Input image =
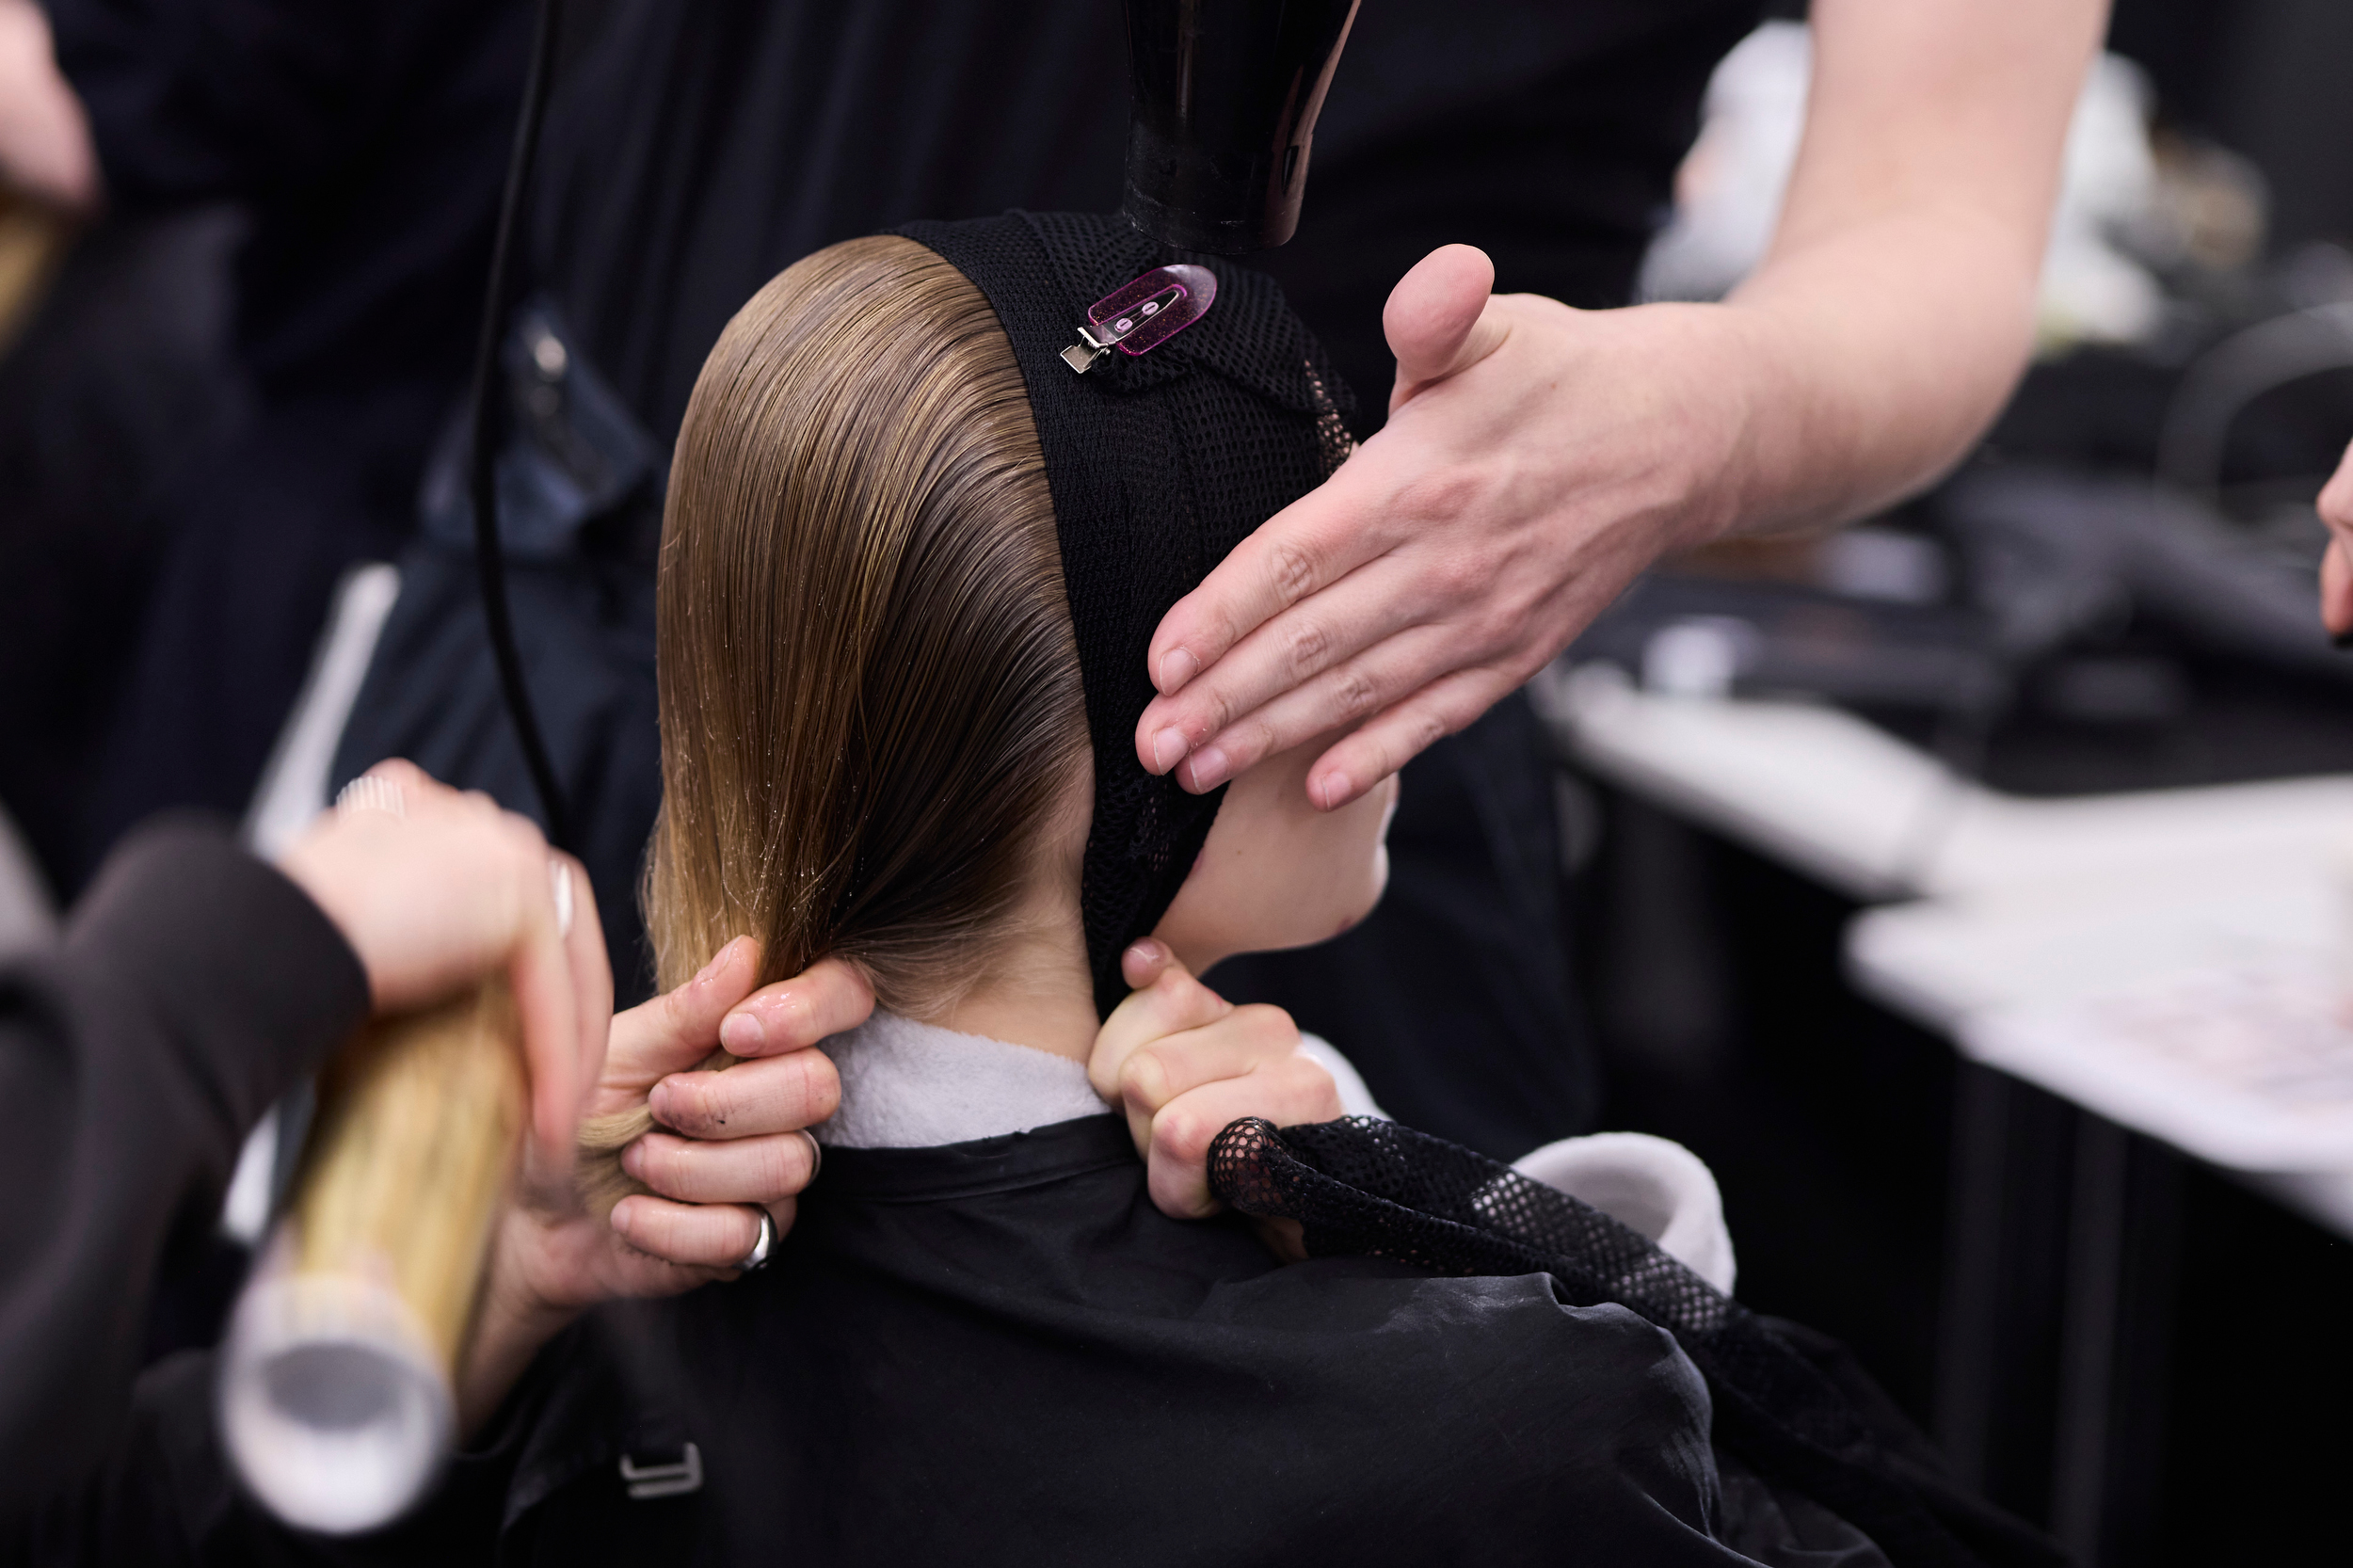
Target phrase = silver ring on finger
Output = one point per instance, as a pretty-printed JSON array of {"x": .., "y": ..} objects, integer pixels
[
  {"x": 763, "y": 1247},
  {"x": 371, "y": 793}
]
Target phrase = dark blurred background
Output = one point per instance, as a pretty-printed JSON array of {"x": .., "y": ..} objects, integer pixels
[{"x": 1719, "y": 974}]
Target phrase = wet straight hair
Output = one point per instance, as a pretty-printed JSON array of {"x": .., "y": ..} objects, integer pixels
[
  {"x": 869, "y": 691},
  {"x": 870, "y": 701}
]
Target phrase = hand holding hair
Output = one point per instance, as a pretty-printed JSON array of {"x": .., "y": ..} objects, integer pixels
[
  {"x": 707, "y": 1097},
  {"x": 678, "y": 1158},
  {"x": 1182, "y": 1063}
]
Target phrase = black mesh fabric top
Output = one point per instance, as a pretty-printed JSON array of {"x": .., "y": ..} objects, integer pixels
[
  {"x": 1159, "y": 466},
  {"x": 1366, "y": 1188}
]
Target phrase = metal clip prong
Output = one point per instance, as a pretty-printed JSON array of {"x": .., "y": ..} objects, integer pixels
[{"x": 1086, "y": 352}]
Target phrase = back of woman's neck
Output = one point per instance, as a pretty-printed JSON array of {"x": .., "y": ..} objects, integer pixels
[
  {"x": 1036, "y": 993},
  {"x": 1048, "y": 1022}
]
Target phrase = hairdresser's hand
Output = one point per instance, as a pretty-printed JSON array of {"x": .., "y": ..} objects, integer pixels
[
  {"x": 736, "y": 1145},
  {"x": 727, "y": 1144},
  {"x": 445, "y": 889},
  {"x": 1536, "y": 459},
  {"x": 1183, "y": 1062},
  {"x": 2336, "y": 567},
  {"x": 45, "y": 148}
]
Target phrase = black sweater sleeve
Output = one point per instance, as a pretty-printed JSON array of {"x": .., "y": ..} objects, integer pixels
[{"x": 194, "y": 985}]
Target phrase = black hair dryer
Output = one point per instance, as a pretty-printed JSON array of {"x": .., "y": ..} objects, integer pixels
[{"x": 1226, "y": 97}]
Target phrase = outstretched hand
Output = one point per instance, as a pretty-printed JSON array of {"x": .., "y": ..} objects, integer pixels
[
  {"x": 1183, "y": 1063},
  {"x": 1536, "y": 459}
]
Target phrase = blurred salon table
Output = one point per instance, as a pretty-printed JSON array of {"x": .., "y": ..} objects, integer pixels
[{"x": 2162, "y": 960}]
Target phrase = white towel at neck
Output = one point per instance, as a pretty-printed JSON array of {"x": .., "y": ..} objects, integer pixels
[
  {"x": 909, "y": 1085},
  {"x": 906, "y": 1085}
]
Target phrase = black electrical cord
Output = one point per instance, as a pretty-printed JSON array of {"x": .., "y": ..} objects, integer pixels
[{"x": 490, "y": 557}]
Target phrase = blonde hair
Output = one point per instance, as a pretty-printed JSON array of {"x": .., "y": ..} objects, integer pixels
[{"x": 869, "y": 693}]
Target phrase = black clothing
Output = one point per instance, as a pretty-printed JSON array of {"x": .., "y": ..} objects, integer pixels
[
  {"x": 1160, "y": 465},
  {"x": 354, "y": 135},
  {"x": 193, "y": 986},
  {"x": 364, "y": 142},
  {"x": 1786, "y": 1401},
  {"x": 999, "y": 1352},
  {"x": 692, "y": 152}
]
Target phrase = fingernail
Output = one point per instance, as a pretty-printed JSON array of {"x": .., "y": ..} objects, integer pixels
[
  {"x": 1332, "y": 791},
  {"x": 1176, "y": 667},
  {"x": 633, "y": 1157},
  {"x": 743, "y": 1034},
  {"x": 1168, "y": 748},
  {"x": 1209, "y": 768},
  {"x": 658, "y": 1102},
  {"x": 623, "y": 1214}
]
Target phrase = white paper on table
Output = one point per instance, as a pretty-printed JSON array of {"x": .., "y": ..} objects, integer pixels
[{"x": 2248, "y": 1064}]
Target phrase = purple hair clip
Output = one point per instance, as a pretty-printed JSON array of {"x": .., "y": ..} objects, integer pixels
[{"x": 1138, "y": 317}]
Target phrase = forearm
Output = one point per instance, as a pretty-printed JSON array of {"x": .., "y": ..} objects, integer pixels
[
  {"x": 519, "y": 1311},
  {"x": 505, "y": 1339},
  {"x": 1874, "y": 361},
  {"x": 1894, "y": 310},
  {"x": 196, "y": 983}
]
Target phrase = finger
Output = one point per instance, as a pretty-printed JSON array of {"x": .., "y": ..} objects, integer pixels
[
  {"x": 1174, "y": 1003},
  {"x": 828, "y": 997},
  {"x": 1358, "y": 761},
  {"x": 425, "y": 799},
  {"x": 1338, "y": 699},
  {"x": 1317, "y": 539},
  {"x": 751, "y": 1099},
  {"x": 412, "y": 779},
  {"x": 592, "y": 988},
  {"x": 1286, "y": 1238},
  {"x": 1436, "y": 318},
  {"x": 1143, "y": 962},
  {"x": 1286, "y": 1094},
  {"x": 743, "y": 1170},
  {"x": 707, "y": 1236},
  {"x": 1364, "y": 610},
  {"x": 2336, "y": 590},
  {"x": 2336, "y": 497},
  {"x": 539, "y": 976},
  {"x": 1243, "y": 1041},
  {"x": 680, "y": 1027}
]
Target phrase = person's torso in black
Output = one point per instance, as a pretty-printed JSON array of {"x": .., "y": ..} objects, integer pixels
[
  {"x": 1001, "y": 1352},
  {"x": 695, "y": 150}
]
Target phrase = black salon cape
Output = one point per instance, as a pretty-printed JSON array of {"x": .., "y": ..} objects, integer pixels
[{"x": 1001, "y": 1352}]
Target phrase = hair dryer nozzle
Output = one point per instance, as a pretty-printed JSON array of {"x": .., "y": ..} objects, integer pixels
[{"x": 1226, "y": 97}]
